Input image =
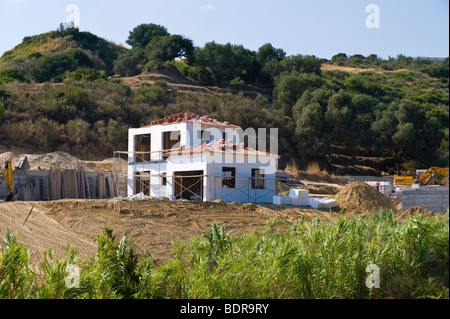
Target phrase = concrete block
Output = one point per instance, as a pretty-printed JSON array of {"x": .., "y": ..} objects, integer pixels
[
  {"x": 322, "y": 203},
  {"x": 282, "y": 200},
  {"x": 298, "y": 193},
  {"x": 326, "y": 203},
  {"x": 300, "y": 202}
]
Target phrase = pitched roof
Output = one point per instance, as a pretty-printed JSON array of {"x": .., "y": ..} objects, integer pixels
[
  {"x": 191, "y": 118},
  {"x": 220, "y": 146}
]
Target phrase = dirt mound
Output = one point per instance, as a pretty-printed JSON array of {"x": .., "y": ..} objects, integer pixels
[
  {"x": 359, "y": 197},
  {"x": 416, "y": 211},
  {"x": 42, "y": 161},
  {"x": 63, "y": 160},
  {"x": 7, "y": 156}
]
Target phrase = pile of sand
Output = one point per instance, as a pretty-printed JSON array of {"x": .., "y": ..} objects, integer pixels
[
  {"x": 417, "y": 210},
  {"x": 359, "y": 197},
  {"x": 63, "y": 160},
  {"x": 42, "y": 161},
  {"x": 7, "y": 156}
]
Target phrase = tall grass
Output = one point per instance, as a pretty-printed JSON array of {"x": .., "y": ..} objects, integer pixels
[
  {"x": 313, "y": 172},
  {"x": 309, "y": 260}
]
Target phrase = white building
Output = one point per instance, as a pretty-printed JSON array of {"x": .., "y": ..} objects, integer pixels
[{"x": 186, "y": 156}]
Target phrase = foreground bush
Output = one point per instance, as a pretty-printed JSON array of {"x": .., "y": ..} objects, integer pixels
[{"x": 309, "y": 260}]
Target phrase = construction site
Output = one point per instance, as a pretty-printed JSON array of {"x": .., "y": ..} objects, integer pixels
[{"x": 54, "y": 199}]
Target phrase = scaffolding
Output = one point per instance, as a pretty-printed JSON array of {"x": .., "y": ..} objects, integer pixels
[
  {"x": 140, "y": 176},
  {"x": 154, "y": 182}
]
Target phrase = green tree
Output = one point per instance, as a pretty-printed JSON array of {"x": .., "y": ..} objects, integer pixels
[
  {"x": 141, "y": 35},
  {"x": 300, "y": 63},
  {"x": 226, "y": 61},
  {"x": 267, "y": 53},
  {"x": 169, "y": 47},
  {"x": 50, "y": 67},
  {"x": 269, "y": 59},
  {"x": 339, "y": 117},
  {"x": 403, "y": 130},
  {"x": 311, "y": 132},
  {"x": 290, "y": 86},
  {"x": 131, "y": 62}
]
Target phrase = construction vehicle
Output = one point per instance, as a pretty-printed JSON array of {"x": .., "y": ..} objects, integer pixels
[
  {"x": 423, "y": 179},
  {"x": 403, "y": 181},
  {"x": 426, "y": 176},
  {"x": 7, "y": 173}
]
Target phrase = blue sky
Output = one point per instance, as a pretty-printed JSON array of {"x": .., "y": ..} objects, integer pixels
[{"x": 322, "y": 27}]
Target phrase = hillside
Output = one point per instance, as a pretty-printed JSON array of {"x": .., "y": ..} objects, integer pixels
[
  {"x": 359, "y": 115},
  {"x": 48, "y": 47}
]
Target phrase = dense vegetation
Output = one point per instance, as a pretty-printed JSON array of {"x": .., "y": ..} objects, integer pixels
[
  {"x": 312, "y": 259},
  {"x": 402, "y": 115}
]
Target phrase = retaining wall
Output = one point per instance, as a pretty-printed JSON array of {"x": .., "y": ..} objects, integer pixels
[{"x": 434, "y": 198}]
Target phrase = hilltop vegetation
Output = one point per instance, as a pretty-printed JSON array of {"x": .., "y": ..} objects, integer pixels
[
  {"x": 48, "y": 56},
  {"x": 54, "y": 94}
]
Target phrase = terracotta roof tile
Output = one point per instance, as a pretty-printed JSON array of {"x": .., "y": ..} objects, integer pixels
[
  {"x": 220, "y": 146},
  {"x": 191, "y": 118}
]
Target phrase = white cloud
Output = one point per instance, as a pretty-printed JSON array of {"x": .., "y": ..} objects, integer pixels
[{"x": 207, "y": 7}]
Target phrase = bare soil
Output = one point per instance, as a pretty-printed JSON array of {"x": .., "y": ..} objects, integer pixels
[
  {"x": 40, "y": 231},
  {"x": 152, "y": 224}
]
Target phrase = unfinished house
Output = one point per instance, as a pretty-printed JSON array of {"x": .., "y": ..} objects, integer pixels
[{"x": 191, "y": 157}]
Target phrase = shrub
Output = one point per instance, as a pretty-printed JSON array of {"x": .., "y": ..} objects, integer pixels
[
  {"x": 87, "y": 74},
  {"x": 10, "y": 75},
  {"x": 55, "y": 66}
]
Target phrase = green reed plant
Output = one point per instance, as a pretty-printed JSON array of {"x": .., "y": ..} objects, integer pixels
[
  {"x": 16, "y": 277},
  {"x": 311, "y": 259}
]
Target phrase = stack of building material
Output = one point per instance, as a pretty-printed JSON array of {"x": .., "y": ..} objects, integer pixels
[
  {"x": 322, "y": 203},
  {"x": 101, "y": 186},
  {"x": 30, "y": 192},
  {"x": 282, "y": 200},
  {"x": 383, "y": 187},
  {"x": 74, "y": 183},
  {"x": 301, "y": 197}
]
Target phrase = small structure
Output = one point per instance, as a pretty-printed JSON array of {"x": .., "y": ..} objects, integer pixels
[{"x": 191, "y": 157}]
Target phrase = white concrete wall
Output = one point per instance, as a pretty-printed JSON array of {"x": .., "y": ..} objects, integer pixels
[
  {"x": 189, "y": 135},
  {"x": 243, "y": 192},
  {"x": 435, "y": 199},
  {"x": 156, "y": 138}
]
